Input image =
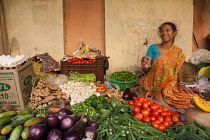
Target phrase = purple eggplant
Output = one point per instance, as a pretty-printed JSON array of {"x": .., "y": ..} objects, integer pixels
[
  {"x": 55, "y": 134},
  {"x": 133, "y": 95},
  {"x": 38, "y": 132},
  {"x": 76, "y": 130},
  {"x": 67, "y": 122},
  {"x": 90, "y": 132},
  {"x": 52, "y": 121},
  {"x": 93, "y": 124},
  {"x": 65, "y": 111},
  {"x": 85, "y": 118},
  {"x": 127, "y": 94},
  {"x": 73, "y": 135}
]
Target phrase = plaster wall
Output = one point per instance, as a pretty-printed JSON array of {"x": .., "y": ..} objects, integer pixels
[
  {"x": 131, "y": 26},
  {"x": 35, "y": 27}
]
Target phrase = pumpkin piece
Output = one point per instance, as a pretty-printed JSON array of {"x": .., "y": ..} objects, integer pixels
[
  {"x": 200, "y": 103},
  {"x": 194, "y": 114}
]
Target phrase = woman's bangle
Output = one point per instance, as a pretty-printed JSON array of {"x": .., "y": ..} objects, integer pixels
[{"x": 181, "y": 83}]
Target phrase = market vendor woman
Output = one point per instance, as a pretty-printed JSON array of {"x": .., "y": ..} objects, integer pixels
[{"x": 162, "y": 65}]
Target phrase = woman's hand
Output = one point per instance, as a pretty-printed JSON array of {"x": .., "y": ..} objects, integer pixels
[
  {"x": 183, "y": 88},
  {"x": 145, "y": 63}
]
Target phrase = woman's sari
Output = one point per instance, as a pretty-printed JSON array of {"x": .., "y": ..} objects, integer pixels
[{"x": 162, "y": 78}]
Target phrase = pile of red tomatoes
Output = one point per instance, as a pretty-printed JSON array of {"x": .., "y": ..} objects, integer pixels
[
  {"x": 78, "y": 60},
  {"x": 158, "y": 116}
]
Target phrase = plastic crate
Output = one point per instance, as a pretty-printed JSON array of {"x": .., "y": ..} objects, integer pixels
[{"x": 98, "y": 68}]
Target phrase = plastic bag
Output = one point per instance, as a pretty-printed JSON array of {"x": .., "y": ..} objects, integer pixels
[
  {"x": 61, "y": 79},
  {"x": 200, "y": 56},
  {"x": 109, "y": 85},
  {"x": 86, "y": 51},
  {"x": 203, "y": 83}
]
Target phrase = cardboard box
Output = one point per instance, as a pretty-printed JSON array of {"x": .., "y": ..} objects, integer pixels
[{"x": 16, "y": 85}]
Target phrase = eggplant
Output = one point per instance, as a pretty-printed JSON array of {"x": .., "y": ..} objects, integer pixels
[
  {"x": 55, "y": 134},
  {"x": 127, "y": 94},
  {"x": 93, "y": 124},
  {"x": 52, "y": 121},
  {"x": 133, "y": 95},
  {"x": 38, "y": 132},
  {"x": 90, "y": 132},
  {"x": 67, "y": 122},
  {"x": 76, "y": 131},
  {"x": 65, "y": 111},
  {"x": 85, "y": 118},
  {"x": 73, "y": 135}
]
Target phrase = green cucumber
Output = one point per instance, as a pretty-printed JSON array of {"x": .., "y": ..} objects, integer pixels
[
  {"x": 6, "y": 130},
  {"x": 17, "y": 116},
  {"x": 21, "y": 120},
  {"x": 15, "y": 135},
  {"x": 24, "y": 112},
  {"x": 1, "y": 126},
  {"x": 2, "y": 137},
  {"x": 6, "y": 120},
  {"x": 25, "y": 133},
  {"x": 6, "y": 114},
  {"x": 33, "y": 121}
]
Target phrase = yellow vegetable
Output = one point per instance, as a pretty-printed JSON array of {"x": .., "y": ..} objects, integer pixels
[{"x": 201, "y": 103}]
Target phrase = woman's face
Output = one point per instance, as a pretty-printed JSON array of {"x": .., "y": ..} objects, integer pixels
[{"x": 166, "y": 33}]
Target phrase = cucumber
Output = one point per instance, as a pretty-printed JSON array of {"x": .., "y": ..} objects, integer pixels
[
  {"x": 15, "y": 135},
  {"x": 17, "y": 116},
  {"x": 3, "y": 137},
  {"x": 21, "y": 120},
  {"x": 6, "y": 130},
  {"x": 25, "y": 133},
  {"x": 1, "y": 111},
  {"x": 6, "y": 114},
  {"x": 33, "y": 121},
  {"x": 24, "y": 112},
  {"x": 1, "y": 126},
  {"x": 6, "y": 120}
]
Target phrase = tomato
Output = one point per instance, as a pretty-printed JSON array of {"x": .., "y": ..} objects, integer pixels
[
  {"x": 166, "y": 123},
  {"x": 137, "y": 103},
  {"x": 141, "y": 99},
  {"x": 152, "y": 118},
  {"x": 131, "y": 102},
  {"x": 168, "y": 113},
  {"x": 171, "y": 123},
  {"x": 165, "y": 109},
  {"x": 145, "y": 112},
  {"x": 157, "y": 121},
  {"x": 160, "y": 118},
  {"x": 145, "y": 105},
  {"x": 167, "y": 118},
  {"x": 136, "y": 99},
  {"x": 136, "y": 109},
  {"x": 154, "y": 113},
  {"x": 163, "y": 113},
  {"x": 162, "y": 127},
  {"x": 159, "y": 110},
  {"x": 149, "y": 102},
  {"x": 154, "y": 124},
  {"x": 175, "y": 114},
  {"x": 127, "y": 102},
  {"x": 176, "y": 119},
  {"x": 138, "y": 116},
  {"x": 148, "y": 109},
  {"x": 146, "y": 119},
  {"x": 154, "y": 106},
  {"x": 179, "y": 123},
  {"x": 132, "y": 106}
]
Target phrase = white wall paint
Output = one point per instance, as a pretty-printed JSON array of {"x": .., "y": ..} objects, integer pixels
[
  {"x": 129, "y": 23},
  {"x": 35, "y": 27}
]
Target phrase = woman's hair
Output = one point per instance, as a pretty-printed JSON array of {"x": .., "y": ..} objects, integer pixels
[{"x": 173, "y": 26}]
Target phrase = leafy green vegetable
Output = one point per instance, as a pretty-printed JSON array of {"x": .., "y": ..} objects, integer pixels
[{"x": 74, "y": 76}]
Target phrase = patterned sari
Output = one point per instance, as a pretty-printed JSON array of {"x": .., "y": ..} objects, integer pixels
[{"x": 162, "y": 78}]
